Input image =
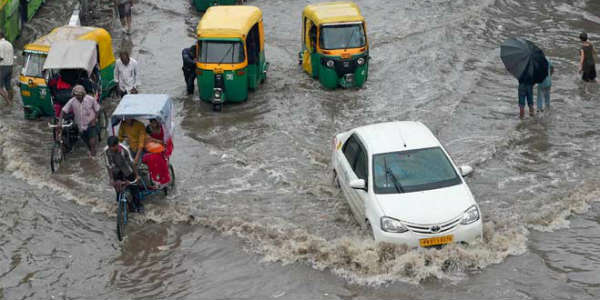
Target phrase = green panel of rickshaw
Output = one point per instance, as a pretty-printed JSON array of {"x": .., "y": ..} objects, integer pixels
[
  {"x": 328, "y": 77},
  {"x": 315, "y": 61},
  {"x": 108, "y": 79},
  {"x": 36, "y": 101},
  {"x": 206, "y": 84},
  {"x": 252, "y": 73},
  {"x": 236, "y": 86}
]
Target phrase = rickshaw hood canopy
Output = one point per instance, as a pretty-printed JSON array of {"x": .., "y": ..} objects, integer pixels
[
  {"x": 232, "y": 21},
  {"x": 333, "y": 12},
  {"x": 72, "y": 55},
  {"x": 146, "y": 107}
]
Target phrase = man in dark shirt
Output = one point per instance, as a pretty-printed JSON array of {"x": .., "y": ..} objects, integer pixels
[
  {"x": 120, "y": 168},
  {"x": 189, "y": 67}
]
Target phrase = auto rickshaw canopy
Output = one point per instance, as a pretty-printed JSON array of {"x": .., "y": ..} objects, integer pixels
[
  {"x": 228, "y": 21},
  {"x": 333, "y": 12},
  {"x": 67, "y": 33},
  {"x": 146, "y": 107},
  {"x": 72, "y": 55}
]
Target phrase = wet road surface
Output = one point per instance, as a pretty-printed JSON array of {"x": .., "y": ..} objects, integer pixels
[{"x": 255, "y": 213}]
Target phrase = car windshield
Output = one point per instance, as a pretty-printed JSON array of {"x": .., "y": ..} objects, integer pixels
[
  {"x": 225, "y": 52},
  {"x": 342, "y": 36},
  {"x": 34, "y": 64},
  {"x": 412, "y": 171}
]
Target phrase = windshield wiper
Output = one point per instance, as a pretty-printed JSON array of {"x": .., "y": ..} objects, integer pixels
[
  {"x": 226, "y": 53},
  {"x": 350, "y": 38},
  {"x": 389, "y": 172}
]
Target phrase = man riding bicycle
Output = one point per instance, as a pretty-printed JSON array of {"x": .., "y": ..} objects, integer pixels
[
  {"x": 121, "y": 169},
  {"x": 85, "y": 110}
]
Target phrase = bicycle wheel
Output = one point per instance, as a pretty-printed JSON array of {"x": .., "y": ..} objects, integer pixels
[
  {"x": 121, "y": 217},
  {"x": 56, "y": 157},
  {"x": 102, "y": 123}
]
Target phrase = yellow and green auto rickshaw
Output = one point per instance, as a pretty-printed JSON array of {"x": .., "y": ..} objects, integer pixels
[
  {"x": 231, "y": 54},
  {"x": 334, "y": 44},
  {"x": 203, "y": 5},
  {"x": 32, "y": 81}
]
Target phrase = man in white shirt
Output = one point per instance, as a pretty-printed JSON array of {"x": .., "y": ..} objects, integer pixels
[
  {"x": 126, "y": 74},
  {"x": 7, "y": 55}
]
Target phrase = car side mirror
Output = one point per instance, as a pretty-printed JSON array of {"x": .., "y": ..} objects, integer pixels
[
  {"x": 359, "y": 184},
  {"x": 465, "y": 171}
]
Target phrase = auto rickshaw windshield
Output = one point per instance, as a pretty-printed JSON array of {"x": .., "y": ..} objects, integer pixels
[
  {"x": 342, "y": 36},
  {"x": 221, "y": 52},
  {"x": 34, "y": 64}
]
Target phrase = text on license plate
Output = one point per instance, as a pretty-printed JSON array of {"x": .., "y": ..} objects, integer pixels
[{"x": 438, "y": 240}]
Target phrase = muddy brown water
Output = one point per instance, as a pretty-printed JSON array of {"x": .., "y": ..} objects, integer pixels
[{"x": 255, "y": 214}]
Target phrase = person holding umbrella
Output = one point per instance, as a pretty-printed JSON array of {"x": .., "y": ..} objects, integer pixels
[{"x": 528, "y": 64}]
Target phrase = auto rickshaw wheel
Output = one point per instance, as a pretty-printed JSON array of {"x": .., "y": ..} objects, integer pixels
[{"x": 218, "y": 107}]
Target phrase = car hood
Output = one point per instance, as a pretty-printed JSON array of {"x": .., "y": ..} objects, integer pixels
[{"x": 427, "y": 207}]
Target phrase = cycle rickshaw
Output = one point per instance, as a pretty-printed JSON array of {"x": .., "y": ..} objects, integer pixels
[
  {"x": 144, "y": 108},
  {"x": 70, "y": 63}
]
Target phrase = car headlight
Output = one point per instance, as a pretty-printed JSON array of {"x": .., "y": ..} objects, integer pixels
[
  {"x": 471, "y": 215},
  {"x": 329, "y": 63},
  {"x": 360, "y": 61},
  {"x": 392, "y": 225}
]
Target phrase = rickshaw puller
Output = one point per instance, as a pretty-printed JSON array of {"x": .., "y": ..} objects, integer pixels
[
  {"x": 85, "y": 110},
  {"x": 120, "y": 168}
]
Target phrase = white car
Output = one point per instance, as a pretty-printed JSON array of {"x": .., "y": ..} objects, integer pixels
[{"x": 400, "y": 182}]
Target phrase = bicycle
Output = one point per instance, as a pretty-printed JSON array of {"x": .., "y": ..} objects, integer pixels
[
  {"x": 65, "y": 136},
  {"x": 124, "y": 195}
]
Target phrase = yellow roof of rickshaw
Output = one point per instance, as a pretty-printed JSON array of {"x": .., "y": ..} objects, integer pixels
[
  {"x": 68, "y": 32},
  {"x": 333, "y": 12},
  {"x": 232, "y": 21}
]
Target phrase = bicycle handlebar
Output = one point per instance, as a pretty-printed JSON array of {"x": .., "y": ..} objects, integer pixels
[{"x": 69, "y": 124}]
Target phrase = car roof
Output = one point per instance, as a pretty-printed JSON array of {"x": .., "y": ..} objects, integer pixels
[
  {"x": 396, "y": 136},
  {"x": 333, "y": 12},
  {"x": 232, "y": 21}
]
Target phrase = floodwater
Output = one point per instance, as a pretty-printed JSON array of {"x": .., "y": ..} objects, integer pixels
[{"x": 255, "y": 213}]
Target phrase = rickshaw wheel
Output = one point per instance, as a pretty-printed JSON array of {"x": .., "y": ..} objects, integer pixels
[
  {"x": 171, "y": 185},
  {"x": 122, "y": 213},
  {"x": 54, "y": 130},
  {"x": 56, "y": 157},
  {"x": 120, "y": 221}
]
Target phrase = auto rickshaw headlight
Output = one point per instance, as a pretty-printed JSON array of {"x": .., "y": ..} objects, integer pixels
[
  {"x": 360, "y": 61},
  {"x": 329, "y": 63}
]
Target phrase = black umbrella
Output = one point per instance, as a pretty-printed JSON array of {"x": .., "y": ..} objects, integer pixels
[{"x": 524, "y": 60}]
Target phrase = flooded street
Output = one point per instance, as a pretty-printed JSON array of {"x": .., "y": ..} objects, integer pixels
[{"x": 255, "y": 213}]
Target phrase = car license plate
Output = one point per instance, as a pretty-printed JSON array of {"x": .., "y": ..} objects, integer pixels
[{"x": 438, "y": 240}]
